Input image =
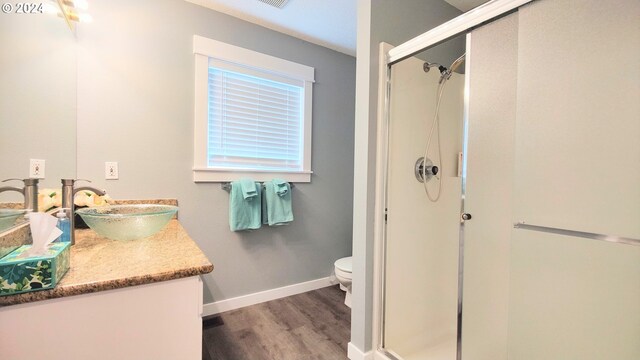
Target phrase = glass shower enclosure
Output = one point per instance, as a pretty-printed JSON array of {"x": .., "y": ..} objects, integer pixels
[{"x": 524, "y": 241}]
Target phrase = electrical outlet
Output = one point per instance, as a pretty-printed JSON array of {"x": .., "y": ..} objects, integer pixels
[
  {"x": 111, "y": 170},
  {"x": 36, "y": 168}
]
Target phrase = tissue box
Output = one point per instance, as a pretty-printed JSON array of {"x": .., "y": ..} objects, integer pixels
[{"x": 18, "y": 275}]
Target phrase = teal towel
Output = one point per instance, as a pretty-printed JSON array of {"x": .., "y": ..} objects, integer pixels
[
  {"x": 244, "y": 213},
  {"x": 276, "y": 208},
  {"x": 248, "y": 188},
  {"x": 281, "y": 186}
]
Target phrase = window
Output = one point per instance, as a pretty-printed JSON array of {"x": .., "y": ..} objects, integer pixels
[{"x": 252, "y": 115}]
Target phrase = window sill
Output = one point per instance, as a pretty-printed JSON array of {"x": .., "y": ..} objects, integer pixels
[{"x": 218, "y": 175}]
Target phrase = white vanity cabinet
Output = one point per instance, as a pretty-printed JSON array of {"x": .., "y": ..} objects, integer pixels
[{"x": 156, "y": 321}]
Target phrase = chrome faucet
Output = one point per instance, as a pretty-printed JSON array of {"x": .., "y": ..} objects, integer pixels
[
  {"x": 29, "y": 191},
  {"x": 68, "y": 193}
]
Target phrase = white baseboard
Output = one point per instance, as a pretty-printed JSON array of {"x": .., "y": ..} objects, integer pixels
[
  {"x": 353, "y": 353},
  {"x": 264, "y": 296}
]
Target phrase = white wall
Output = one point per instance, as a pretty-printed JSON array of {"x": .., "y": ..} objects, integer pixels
[{"x": 135, "y": 106}]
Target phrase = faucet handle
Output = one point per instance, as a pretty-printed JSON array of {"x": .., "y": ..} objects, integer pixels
[{"x": 5, "y": 180}]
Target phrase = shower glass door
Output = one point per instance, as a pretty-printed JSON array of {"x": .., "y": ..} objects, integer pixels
[{"x": 422, "y": 235}]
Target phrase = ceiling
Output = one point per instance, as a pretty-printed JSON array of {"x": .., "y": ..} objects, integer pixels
[
  {"x": 466, "y": 5},
  {"x": 331, "y": 24}
]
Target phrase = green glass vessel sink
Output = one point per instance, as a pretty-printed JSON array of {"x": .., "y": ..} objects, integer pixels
[
  {"x": 8, "y": 217},
  {"x": 127, "y": 222}
]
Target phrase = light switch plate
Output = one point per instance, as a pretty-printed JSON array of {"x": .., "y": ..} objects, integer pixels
[
  {"x": 36, "y": 168},
  {"x": 111, "y": 170}
]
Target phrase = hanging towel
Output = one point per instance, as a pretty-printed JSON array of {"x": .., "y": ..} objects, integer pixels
[
  {"x": 248, "y": 187},
  {"x": 244, "y": 205},
  {"x": 276, "y": 203},
  {"x": 281, "y": 186}
]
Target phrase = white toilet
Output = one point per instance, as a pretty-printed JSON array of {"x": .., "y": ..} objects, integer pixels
[{"x": 343, "y": 274}]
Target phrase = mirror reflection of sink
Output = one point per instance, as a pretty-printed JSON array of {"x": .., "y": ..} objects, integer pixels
[
  {"x": 127, "y": 222},
  {"x": 8, "y": 217}
]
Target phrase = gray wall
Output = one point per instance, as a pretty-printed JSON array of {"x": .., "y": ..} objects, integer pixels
[
  {"x": 135, "y": 106},
  {"x": 37, "y": 98},
  {"x": 393, "y": 22}
]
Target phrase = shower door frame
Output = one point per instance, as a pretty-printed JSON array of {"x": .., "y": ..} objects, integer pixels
[{"x": 389, "y": 56}]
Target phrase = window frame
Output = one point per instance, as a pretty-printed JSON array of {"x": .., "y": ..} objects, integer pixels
[{"x": 203, "y": 50}]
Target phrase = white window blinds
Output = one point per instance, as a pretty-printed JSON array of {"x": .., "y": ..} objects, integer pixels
[{"x": 255, "y": 119}]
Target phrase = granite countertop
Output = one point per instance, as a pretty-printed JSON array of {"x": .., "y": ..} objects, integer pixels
[{"x": 99, "y": 264}]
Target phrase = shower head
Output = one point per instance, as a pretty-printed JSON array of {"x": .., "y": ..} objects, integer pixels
[
  {"x": 427, "y": 66},
  {"x": 456, "y": 64}
]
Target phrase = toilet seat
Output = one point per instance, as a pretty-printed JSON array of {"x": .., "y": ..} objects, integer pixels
[{"x": 345, "y": 264}]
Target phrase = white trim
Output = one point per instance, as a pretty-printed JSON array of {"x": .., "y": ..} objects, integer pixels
[
  {"x": 237, "y": 55},
  {"x": 252, "y": 71},
  {"x": 200, "y": 110},
  {"x": 224, "y": 175},
  {"x": 353, "y": 353},
  {"x": 252, "y": 170},
  {"x": 306, "y": 131},
  {"x": 264, "y": 296},
  {"x": 204, "y": 49},
  {"x": 451, "y": 28}
]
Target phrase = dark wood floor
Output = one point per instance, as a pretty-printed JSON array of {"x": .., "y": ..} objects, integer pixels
[{"x": 313, "y": 325}]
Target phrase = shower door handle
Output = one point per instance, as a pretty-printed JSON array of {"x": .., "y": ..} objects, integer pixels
[{"x": 465, "y": 216}]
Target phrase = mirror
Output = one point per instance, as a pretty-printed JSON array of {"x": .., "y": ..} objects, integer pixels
[{"x": 37, "y": 101}]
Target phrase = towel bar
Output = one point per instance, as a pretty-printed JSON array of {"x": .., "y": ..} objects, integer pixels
[
  {"x": 226, "y": 186},
  {"x": 582, "y": 234}
]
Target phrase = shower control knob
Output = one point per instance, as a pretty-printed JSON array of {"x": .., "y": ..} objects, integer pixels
[
  {"x": 434, "y": 170},
  {"x": 466, "y": 216}
]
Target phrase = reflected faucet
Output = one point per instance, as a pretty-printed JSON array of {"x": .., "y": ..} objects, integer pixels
[
  {"x": 68, "y": 193},
  {"x": 29, "y": 191}
]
